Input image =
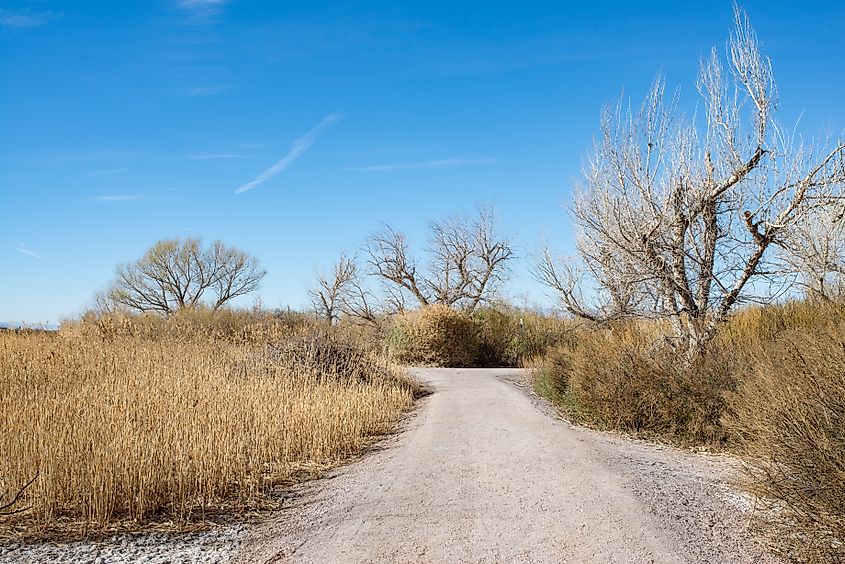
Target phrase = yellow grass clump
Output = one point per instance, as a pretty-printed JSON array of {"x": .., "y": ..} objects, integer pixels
[{"x": 120, "y": 429}]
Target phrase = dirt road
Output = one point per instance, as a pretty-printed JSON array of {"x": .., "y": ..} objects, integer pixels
[{"x": 484, "y": 472}]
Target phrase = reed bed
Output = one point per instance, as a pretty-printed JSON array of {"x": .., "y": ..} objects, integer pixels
[{"x": 120, "y": 429}]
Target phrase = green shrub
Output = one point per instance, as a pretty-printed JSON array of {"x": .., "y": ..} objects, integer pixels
[
  {"x": 496, "y": 330},
  {"x": 550, "y": 377}
]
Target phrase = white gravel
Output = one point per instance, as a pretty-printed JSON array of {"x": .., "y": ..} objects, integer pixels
[{"x": 207, "y": 547}]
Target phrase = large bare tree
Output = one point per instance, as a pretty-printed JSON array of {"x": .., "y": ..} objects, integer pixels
[
  {"x": 678, "y": 217},
  {"x": 467, "y": 261},
  {"x": 175, "y": 274}
]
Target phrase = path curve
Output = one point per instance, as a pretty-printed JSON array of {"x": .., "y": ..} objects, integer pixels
[{"x": 483, "y": 472}]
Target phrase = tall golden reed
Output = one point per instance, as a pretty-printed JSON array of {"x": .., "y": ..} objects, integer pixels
[{"x": 125, "y": 428}]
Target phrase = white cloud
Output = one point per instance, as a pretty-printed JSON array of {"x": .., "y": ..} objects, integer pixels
[
  {"x": 116, "y": 198},
  {"x": 217, "y": 156},
  {"x": 208, "y": 90},
  {"x": 439, "y": 163},
  {"x": 23, "y": 248},
  {"x": 202, "y": 7},
  {"x": 106, "y": 172},
  {"x": 299, "y": 147},
  {"x": 24, "y": 19}
]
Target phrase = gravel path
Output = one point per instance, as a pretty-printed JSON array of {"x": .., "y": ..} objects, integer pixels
[{"x": 483, "y": 472}]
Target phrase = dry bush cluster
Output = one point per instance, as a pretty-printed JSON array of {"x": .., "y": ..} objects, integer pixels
[
  {"x": 772, "y": 388},
  {"x": 626, "y": 378},
  {"x": 437, "y": 335},
  {"x": 513, "y": 337},
  {"x": 121, "y": 426},
  {"x": 788, "y": 418}
]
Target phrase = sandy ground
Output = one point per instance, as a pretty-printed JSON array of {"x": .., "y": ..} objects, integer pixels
[{"x": 482, "y": 472}]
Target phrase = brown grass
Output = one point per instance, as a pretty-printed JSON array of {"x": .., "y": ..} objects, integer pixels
[{"x": 121, "y": 428}]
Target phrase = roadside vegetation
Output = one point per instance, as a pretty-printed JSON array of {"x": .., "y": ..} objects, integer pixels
[
  {"x": 119, "y": 421},
  {"x": 691, "y": 232},
  {"x": 771, "y": 389}
]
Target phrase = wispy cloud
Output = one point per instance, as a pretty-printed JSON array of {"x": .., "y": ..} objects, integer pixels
[
  {"x": 202, "y": 8},
  {"x": 208, "y": 90},
  {"x": 299, "y": 147},
  {"x": 23, "y": 248},
  {"x": 106, "y": 172},
  {"x": 217, "y": 156},
  {"x": 87, "y": 156},
  {"x": 116, "y": 198},
  {"x": 9, "y": 19},
  {"x": 439, "y": 163}
]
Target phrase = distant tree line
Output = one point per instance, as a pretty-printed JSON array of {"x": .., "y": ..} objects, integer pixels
[{"x": 464, "y": 266}]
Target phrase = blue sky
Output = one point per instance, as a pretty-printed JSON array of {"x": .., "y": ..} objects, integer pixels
[{"x": 126, "y": 122}]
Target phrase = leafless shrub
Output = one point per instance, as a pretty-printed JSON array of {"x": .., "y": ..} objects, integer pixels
[
  {"x": 624, "y": 377},
  {"x": 789, "y": 419}
]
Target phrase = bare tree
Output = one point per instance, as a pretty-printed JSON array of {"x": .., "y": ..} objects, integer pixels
[
  {"x": 175, "y": 274},
  {"x": 677, "y": 217},
  {"x": 362, "y": 304},
  {"x": 620, "y": 293},
  {"x": 814, "y": 249},
  {"x": 330, "y": 292},
  {"x": 468, "y": 259}
]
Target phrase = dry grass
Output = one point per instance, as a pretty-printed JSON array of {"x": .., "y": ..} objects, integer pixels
[{"x": 121, "y": 428}]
